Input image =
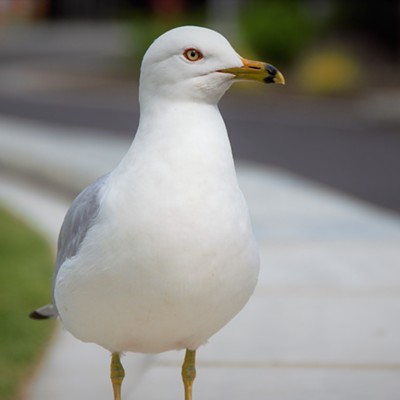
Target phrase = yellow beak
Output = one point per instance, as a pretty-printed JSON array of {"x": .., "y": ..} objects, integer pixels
[{"x": 256, "y": 71}]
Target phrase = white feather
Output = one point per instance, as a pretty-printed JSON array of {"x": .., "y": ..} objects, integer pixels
[{"x": 171, "y": 257}]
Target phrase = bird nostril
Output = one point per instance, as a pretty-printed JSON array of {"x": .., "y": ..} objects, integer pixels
[{"x": 254, "y": 67}]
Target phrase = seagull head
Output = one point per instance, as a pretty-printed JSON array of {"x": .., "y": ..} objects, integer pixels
[{"x": 192, "y": 63}]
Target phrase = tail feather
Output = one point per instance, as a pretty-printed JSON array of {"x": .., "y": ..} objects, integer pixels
[{"x": 45, "y": 312}]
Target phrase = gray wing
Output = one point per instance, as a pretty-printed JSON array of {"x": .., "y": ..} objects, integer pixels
[{"x": 78, "y": 220}]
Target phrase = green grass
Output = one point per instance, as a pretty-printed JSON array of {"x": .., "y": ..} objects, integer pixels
[{"x": 25, "y": 283}]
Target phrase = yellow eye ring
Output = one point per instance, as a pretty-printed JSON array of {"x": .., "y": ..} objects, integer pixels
[{"x": 192, "y": 55}]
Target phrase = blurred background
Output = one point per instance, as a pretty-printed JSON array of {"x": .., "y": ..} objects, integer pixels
[
  {"x": 329, "y": 240},
  {"x": 337, "y": 121}
]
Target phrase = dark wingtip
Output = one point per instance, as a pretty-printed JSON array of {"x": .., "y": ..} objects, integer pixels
[
  {"x": 38, "y": 316},
  {"x": 45, "y": 312}
]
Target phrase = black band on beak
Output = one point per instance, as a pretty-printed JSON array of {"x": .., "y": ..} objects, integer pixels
[{"x": 272, "y": 71}]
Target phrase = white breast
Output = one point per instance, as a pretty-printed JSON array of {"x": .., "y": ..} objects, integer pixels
[{"x": 172, "y": 251}]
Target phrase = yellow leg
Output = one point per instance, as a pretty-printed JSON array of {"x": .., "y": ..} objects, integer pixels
[
  {"x": 189, "y": 372},
  {"x": 117, "y": 375}
]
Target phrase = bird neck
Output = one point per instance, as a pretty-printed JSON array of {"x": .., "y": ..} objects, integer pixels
[{"x": 182, "y": 135}]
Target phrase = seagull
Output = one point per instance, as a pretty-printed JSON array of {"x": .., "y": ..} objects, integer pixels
[{"x": 159, "y": 254}]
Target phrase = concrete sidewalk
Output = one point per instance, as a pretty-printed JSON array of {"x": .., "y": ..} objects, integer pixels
[{"x": 323, "y": 323}]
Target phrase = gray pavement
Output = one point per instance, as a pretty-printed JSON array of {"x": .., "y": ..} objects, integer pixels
[{"x": 322, "y": 324}]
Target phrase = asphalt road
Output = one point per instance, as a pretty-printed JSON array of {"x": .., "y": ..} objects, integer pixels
[{"x": 331, "y": 141}]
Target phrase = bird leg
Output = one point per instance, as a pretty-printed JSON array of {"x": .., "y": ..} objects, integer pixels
[
  {"x": 189, "y": 372},
  {"x": 117, "y": 375}
]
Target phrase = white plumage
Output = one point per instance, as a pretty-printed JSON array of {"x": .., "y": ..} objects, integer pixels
[
  {"x": 159, "y": 254},
  {"x": 170, "y": 257}
]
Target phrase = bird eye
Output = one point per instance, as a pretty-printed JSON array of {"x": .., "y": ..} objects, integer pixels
[{"x": 192, "y": 54}]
